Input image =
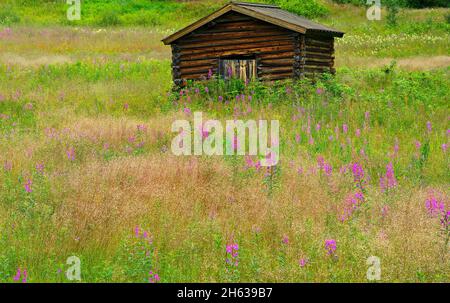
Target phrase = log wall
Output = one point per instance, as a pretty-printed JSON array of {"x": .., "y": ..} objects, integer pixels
[{"x": 280, "y": 53}]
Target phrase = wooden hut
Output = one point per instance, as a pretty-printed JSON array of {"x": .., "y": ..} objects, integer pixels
[{"x": 250, "y": 40}]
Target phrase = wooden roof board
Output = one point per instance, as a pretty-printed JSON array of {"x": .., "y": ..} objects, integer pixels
[{"x": 268, "y": 13}]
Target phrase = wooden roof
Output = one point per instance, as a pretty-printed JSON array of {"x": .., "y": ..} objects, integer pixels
[{"x": 269, "y": 13}]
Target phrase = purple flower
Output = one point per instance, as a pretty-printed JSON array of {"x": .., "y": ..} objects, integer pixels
[
  {"x": 187, "y": 111},
  {"x": 429, "y": 127},
  {"x": 71, "y": 154},
  {"x": 434, "y": 205},
  {"x": 388, "y": 181},
  {"x": 445, "y": 220},
  {"x": 444, "y": 147},
  {"x": 220, "y": 98},
  {"x": 319, "y": 91},
  {"x": 345, "y": 128},
  {"x": 302, "y": 262},
  {"x": 285, "y": 239},
  {"x": 40, "y": 168},
  {"x": 330, "y": 246},
  {"x": 28, "y": 186},
  {"x": 153, "y": 277},
  {"x": 358, "y": 172},
  {"x": 358, "y": 132}
]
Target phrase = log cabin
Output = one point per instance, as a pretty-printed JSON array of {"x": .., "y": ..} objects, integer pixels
[{"x": 251, "y": 41}]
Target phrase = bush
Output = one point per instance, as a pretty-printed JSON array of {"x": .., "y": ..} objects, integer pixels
[
  {"x": 8, "y": 16},
  {"x": 109, "y": 18},
  {"x": 306, "y": 8}
]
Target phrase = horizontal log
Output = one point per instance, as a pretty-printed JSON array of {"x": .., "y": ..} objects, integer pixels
[
  {"x": 236, "y": 47},
  {"x": 275, "y": 70},
  {"x": 230, "y": 35},
  {"x": 197, "y": 63},
  {"x": 277, "y": 55},
  {"x": 319, "y": 49},
  {"x": 276, "y": 62},
  {"x": 235, "y": 42},
  {"x": 197, "y": 70},
  {"x": 260, "y": 51},
  {"x": 325, "y": 43},
  {"x": 318, "y": 55},
  {"x": 274, "y": 77},
  {"x": 316, "y": 63}
]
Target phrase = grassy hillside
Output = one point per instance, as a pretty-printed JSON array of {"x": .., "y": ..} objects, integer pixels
[{"x": 86, "y": 168}]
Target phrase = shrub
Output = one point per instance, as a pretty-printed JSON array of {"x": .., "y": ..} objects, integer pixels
[
  {"x": 8, "y": 16},
  {"x": 109, "y": 18}
]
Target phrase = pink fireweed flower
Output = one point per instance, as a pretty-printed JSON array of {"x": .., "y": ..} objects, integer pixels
[
  {"x": 358, "y": 132},
  {"x": 125, "y": 106},
  {"x": 318, "y": 126},
  {"x": 319, "y": 91},
  {"x": 21, "y": 274},
  {"x": 429, "y": 127},
  {"x": 141, "y": 128},
  {"x": 384, "y": 210},
  {"x": 352, "y": 203},
  {"x": 330, "y": 246},
  {"x": 445, "y": 220},
  {"x": 136, "y": 231},
  {"x": 444, "y": 147},
  {"x": 153, "y": 277},
  {"x": 417, "y": 144},
  {"x": 297, "y": 138},
  {"x": 28, "y": 186},
  {"x": 187, "y": 111},
  {"x": 285, "y": 239},
  {"x": 358, "y": 173},
  {"x": 40, "y": 168},
  {"x": 70, "y": 154},
  {"x": 388, "y": 181},
  {"x": 345, "y": 128},
  {"x": 206, "y": 89},
  {"x": 434, "y": 205},
  {"x": 327, "y": 168},
  {"x": 232, "y": 251},
  {"x": 302, "y": 262}
]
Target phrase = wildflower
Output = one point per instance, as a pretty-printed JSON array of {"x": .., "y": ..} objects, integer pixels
[
  {"x": 285, "y": 239},
  {"x": 28, "y": 106},
  {"x": 302, "y": 262},
  {"x": 28, "y": 186},
  {"x": 206, "y": 89},
  {"x": 358, "y": 172},
  {"x": 125, "y": 106},
  {"x": 297, "y": 138},
  {"x": 71, "y": 154},
  {"x": 318, "y": 126},
  {"x": 187, "y": 111},
  {"x": 327, "y": 168},
  {"x": 444, "y": 147},
  {"x": 20, "y": 274},
  {"x": 330, "y": 246},
  {"x": 345, "y": 128},
  {"x": 141, "y": 127},
  {"x": 153, "y": 277},
  {"x": 220, "y": 98},
  {"x": 434, "y": 205},
  {"x": 232, "y": 254},
  {"x": 417, "y": 144},
  {"x": 40, "y": 168},
  {"x": 445, "y": 220},
  {"x": 319, "y": 91},
  {"x": 429, "y": 127},
  {"x": 352, "y": 203},
  {"x": 388, "y": 181},
  {"x": 358, "y": 132}
]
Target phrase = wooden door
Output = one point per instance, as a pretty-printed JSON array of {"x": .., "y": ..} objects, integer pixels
[{"x": 244, "y": 69}]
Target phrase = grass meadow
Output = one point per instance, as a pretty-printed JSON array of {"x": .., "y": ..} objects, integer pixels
[{"x": 86, "y": 167}]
